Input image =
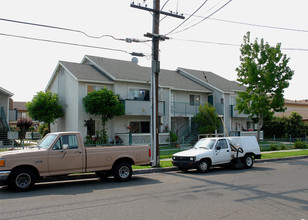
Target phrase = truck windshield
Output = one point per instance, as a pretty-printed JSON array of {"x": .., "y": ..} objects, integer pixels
[
  {"x": 47, "y": 141},
  {"x": 205, "y": 143}
]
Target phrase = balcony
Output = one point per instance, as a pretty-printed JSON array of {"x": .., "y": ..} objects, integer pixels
[
  {"x": 236, "y": 114},
  {"x": 135, "y": 107},
  {"x": 184, "y": 109}
]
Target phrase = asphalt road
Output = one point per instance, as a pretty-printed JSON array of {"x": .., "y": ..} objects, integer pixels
[{"x": 270, "y": 190}]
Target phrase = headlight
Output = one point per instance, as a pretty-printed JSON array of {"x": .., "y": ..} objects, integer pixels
[
  {"x": 192, "y": 158},
  {"x": 2, "y": 163}
]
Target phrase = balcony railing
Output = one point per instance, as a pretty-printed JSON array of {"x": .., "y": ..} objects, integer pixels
[
  {"x": 184, "y": 109},
  {"x": 236, "y": 114},
  {"x": 135, "y": 107},
  {"x": 142, "y": 139}
]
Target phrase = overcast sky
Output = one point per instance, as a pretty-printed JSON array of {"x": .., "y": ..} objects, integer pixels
[{"x": 212, "y": 45}]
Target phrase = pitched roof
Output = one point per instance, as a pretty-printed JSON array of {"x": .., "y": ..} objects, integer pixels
[
  {"x": 121, "y": 70},
  {"x": 19, "y": 106},
  {"x": 6, "y": 92},
  {"x": 215, "y": 80},
  {"x": 296, "y": 102},
  {"x": 84, "y": 72}
]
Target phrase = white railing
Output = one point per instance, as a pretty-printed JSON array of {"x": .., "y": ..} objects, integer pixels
[{"x": 141, "y": 139}]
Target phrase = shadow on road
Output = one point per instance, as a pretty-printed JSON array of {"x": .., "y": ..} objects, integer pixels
[{"x": 75, "y": 187}]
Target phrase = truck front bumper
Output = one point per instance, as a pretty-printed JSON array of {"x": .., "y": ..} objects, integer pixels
[
  {"x": 186, "y": 164},
  {"x": 3, "y": 177}
]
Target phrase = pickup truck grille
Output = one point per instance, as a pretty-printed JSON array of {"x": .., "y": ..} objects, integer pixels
[{"x": 181, "y": 158}]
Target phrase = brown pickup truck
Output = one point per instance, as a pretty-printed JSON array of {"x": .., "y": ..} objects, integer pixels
[{"x": 64, "y": 153}]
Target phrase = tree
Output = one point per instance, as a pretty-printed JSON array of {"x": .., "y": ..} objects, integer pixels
[
  {"x": 207, "y": 119},
  {"x": 295, "y": 126},
  {"x": 24, "y": 124},
  {"x": 265, "y": 73},
  {"x": 45, "y": 107},
  {"x": 103, "y": 103}
]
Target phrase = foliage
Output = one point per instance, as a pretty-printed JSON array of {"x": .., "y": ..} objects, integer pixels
[
  {"x": 24, "y": 124},
  {"x": 173, "y": 137},
  {"x": 207, "y": 119},
  {"x": 43, "y": 129},
  {"x": 45, "y": 107},
  {"x": 265, "y": 73},
  {"x": 295, "y": 125},
  {"x": 300, "y": 144},
  {"x": 284, "y": 127},
  {"x": 103, "y": 103},
  {"x": 273, "y": 147}
]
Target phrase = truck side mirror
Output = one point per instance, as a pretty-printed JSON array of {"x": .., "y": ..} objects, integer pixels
[
  {"x": 218, "y": 147},
  {"x": 65, "y": 146}
]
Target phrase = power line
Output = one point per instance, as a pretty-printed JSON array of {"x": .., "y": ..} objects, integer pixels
[
  {"x": 71, "y": 44},
  {"x": 256, "y": 25},
  {"x": 230, "y": 44},
  {"x": 128, "y": 40},
  {"x": 203, "y": 18},
  {"x": 188, "y": 18}
]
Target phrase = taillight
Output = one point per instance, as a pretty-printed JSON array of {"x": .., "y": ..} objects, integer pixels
[{"x": 149, "y": 152}]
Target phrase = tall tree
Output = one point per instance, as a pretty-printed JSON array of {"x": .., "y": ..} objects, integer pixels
[
  {"x": 103, "y": 103},
  {"x": 207, "y": 119},
  {"x": 45, "y": 107},
  {"x": 265, "y": 72}
]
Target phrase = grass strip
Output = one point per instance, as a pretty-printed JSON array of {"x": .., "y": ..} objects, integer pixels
[{"x": 264, "y": 156}]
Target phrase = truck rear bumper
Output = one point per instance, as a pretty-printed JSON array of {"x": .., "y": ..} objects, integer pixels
[{"x": 4, "y": 176}]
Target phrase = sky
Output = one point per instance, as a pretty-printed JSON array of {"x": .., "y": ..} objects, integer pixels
[{"x": 206, "y": 40}]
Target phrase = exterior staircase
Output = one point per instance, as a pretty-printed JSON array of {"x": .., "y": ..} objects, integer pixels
[
  {"x": 188, "y": 135},
  {"x": 4, "y": 128}
]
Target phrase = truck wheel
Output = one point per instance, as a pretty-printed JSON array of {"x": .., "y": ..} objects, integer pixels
[
  {"x": 204, "y": 166},
  {"x": 22, "y": 180},
  {"x": 248, "y": 161},
  {"x": 123, "y": 172}
]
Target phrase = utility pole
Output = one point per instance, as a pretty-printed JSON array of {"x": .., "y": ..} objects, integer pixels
[{"x": 155, "y": 74}]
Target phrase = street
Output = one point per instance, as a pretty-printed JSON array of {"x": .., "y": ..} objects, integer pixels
[{"x": 270, "y": 190}]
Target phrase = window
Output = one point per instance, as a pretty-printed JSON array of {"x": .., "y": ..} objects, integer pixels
[
  {"x": 70, "y": 140},
  {"x": 139, "y": 94},
  {"x": 222, "y": 144},
  {"x": 140, "y": 127},
  {"x": 194, "y": 100}
]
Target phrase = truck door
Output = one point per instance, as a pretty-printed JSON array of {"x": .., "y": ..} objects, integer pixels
[
  {"x": 65, "y": 161},
  {"x": 222, "y": 153}
]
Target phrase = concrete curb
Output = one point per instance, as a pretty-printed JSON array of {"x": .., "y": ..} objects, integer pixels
[{"x": 167, "y": 169}]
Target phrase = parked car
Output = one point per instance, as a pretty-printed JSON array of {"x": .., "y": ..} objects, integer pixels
[
  {"x": 207, "y": 152},
  {"x": 64, "y": 153}
]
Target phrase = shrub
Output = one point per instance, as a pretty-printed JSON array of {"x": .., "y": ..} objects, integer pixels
[
  {"x": 300, "y": 144},
  {"x": 273, "y": 147},
  {"x": 282, "y": 147},
  {"x": 43, "y": 129}
]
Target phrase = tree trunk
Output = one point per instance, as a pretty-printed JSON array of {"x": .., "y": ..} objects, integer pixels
[{"x": 259, "y": 126}]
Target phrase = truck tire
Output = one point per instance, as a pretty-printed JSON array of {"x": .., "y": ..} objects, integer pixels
[
  {"x": 204, "y": 166},
  {"x": 22, "y": 180},
  {"x": 248, "y": 161},
  {"x": 123, "y": 172}
]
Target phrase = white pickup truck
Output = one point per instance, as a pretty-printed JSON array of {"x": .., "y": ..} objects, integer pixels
[
  {"x": 64, "y": 153},
  {"x": 207, "y": 152}
]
